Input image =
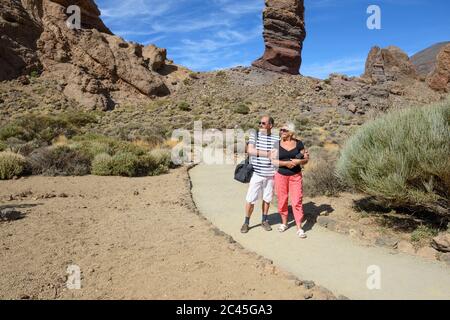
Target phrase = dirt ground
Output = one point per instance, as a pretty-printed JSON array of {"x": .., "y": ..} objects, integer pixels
[{"x": 138, "y": 238}]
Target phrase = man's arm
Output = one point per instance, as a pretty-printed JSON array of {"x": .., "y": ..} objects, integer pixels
[{"x": 251, "y": 150}]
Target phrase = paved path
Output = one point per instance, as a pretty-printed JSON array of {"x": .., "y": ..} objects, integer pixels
[{"x": 330, "y": 259}]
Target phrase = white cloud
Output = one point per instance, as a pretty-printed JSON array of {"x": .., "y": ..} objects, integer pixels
[{"x": 350, "y": 66}]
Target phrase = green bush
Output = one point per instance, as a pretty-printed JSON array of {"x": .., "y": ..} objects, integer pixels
[
  {"x": 321, "y": 180},
  {"x": 3, "y": 146},
  {"x": 423, "y": 235},
  {"x": 154, "y": 163},
  {"x": 92, "y": 145},
  {"x": 46, "y": 127},
  {"x": 402, "y": 158},
  {"x": 124, "y": 164},
  {"x": 102, "y": 165},
  {"x": 59, "y": 161},
  {"x": 242, "y": 109},
  {"x": 184, "y": 106},
  {"x": 11, "y": 165}
]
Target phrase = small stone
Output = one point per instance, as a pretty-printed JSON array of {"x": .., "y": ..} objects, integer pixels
[
  {"x": 406, "y": 247},
  {"x": 308, "y": 296},
  {"x": 136, "y": 193},
  {"x": 309, "y": 284},
  {"x": 327, "y": 222},
  {"x": 441, "y": 242},
  {"x": 445, "y": 257},
  {"x": 427, "y": 253},
  {"x": 352, "y": 108},
  {"x": 387, "y": 241},
  {"x": 298, "y": 283}
]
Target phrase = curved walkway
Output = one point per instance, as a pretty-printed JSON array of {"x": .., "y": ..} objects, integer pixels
[{"x": 330, "y": 259}]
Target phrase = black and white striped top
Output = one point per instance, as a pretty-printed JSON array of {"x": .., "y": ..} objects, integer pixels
[{"x": 263, "y": 166}]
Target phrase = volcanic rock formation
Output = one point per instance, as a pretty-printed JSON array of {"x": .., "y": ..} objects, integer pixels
[
  {"x": 284, "y": 33},
  {"x": 389, "y": 64},
  {"x": 439, "y": 79},
  {"x": 93, "y": 66},
  {"x": 425, "y": 60}
]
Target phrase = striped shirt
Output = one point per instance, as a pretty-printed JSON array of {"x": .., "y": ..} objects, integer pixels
[{"x": 263, "y": 166}]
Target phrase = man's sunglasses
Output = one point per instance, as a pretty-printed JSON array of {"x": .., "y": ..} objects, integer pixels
[{"x": 262, "y": 123}]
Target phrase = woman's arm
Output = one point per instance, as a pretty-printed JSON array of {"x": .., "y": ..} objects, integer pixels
[
  {"x": 278, "y": 163},
  {"x": 304, "y": 161}
]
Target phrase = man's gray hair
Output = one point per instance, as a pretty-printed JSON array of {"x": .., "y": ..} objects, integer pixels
[{"x": 271, "y": 120}]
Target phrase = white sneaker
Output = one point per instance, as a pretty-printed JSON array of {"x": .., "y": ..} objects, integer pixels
[
  {"x": 301, "y": 234},
  {"x": 282, "y": 228}
]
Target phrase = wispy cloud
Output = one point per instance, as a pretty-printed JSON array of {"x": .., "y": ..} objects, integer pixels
[{"x": 349, "y": 66}]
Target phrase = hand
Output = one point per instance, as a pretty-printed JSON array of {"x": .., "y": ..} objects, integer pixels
[
  {"x": 291, "y": 165},
  {"x": 306, "y": 155}
]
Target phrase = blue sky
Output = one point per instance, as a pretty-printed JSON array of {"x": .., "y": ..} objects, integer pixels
[{"x": 214, "y": 34}]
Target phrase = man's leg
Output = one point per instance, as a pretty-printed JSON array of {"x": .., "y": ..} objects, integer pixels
[
  {"x": 252, "y": 196},
  {"x": 267, "y": 199}
]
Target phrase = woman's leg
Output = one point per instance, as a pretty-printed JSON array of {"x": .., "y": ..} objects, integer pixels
[
  {"x": 296, "y": 194},
  {"x": 282, "y": 190}
]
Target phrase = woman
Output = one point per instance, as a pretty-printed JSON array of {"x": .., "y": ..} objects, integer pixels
[{"x": 289, "y": 155}]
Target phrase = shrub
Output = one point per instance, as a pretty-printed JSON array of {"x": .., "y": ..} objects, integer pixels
[
  {"x": 321, "y": 180},
  {"x": 92, "y": 145},
  {"x": 423, "y": 235},
  {"x": 102, "y": 165},
  {"x": 184, "y": 106},
  {"x": 242, "y": 109},
  {"x": 402, "y": 158},
  {"x": 11, "y": 165},
  {"x": 59, "y": 161},
  {"x": 124, "y": 164},
  {"x": 46, "y": 127},
  {"x": 3, "y": 146},
  {"x": 156, "y": 162}
]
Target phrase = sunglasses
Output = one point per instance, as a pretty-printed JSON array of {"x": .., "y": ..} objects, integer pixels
[
  {"x": 284, "y": 130},
  {"x": 262, "y": 123}
]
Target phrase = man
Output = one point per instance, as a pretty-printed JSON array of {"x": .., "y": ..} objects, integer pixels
[{"x": 260, "y": 147}]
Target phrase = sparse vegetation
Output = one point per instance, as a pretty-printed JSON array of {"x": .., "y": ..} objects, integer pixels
[
  {"x": 403, "y": 158},
  {"x": 59, "y": 161},
  {"x": 11, "y": 165},
  {"x": 423, "y": 235},
  {"x": 184, "y": 106},
  {"x": 321, "y": 180},
  {"x": 242, "y": 109}
]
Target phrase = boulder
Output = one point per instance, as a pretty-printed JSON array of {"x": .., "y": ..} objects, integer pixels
[{"x": 442, "y": 242}]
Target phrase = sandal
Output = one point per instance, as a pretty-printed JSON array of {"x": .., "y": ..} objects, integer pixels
[
  {"x": 282, "y": 228},
  {"x": 301, "y": 234}
]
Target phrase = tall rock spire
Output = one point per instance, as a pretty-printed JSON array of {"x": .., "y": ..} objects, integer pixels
[{"x": 284, "y": 33}]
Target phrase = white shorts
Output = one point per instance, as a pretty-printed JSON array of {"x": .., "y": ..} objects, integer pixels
[{"x": 260, "y": 187}]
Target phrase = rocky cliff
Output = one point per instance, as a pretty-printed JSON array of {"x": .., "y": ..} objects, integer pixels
[
  {"x": 284, "y": 33},
  {"x": 93, "y": 66},
  {"x": 439, "y": 79}
]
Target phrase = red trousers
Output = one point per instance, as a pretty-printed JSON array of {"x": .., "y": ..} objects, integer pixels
[{"x": 290, "y": 186}]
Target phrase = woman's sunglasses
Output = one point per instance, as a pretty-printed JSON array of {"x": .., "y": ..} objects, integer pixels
[{"x": 284, "y": 130}]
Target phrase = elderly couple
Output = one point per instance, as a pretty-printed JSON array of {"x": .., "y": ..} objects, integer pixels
[{"x": 277, "y": 162}]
